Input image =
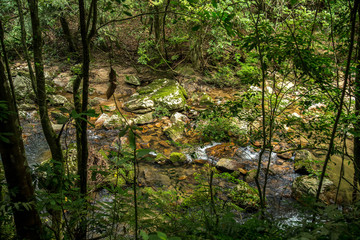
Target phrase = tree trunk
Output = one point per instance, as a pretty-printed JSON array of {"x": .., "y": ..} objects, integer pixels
[
  {"x": 17, "y": 172},
  {"x": 50, "y": 135},
  {"x": 357, "y": 125},
  {"x": 67, "y": 33},
  {"x": 23, "y": 42},
  {"x": 81, "y": 107}
]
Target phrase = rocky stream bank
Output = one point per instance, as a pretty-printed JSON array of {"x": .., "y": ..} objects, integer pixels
[{"x": 166, "y": 110}]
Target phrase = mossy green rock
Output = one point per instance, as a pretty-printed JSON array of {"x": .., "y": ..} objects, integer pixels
[
  {"x": 133, "y": 80},
  {"x": 160, "y": 158},
  {"x": 250, "y": 175},
  {"x": 245, "y": 196},
  {"x": 205, "y": 100},
  {"x": 144, "y": 119},
  {"x": 306, "y": 187},
  {"x": 23, "y": 88},
  {"x": 176, "y": 131},
  {"x": 306, "y": 162},
  {"x": 178, "y": 158},
  {"x": 161, "y": 92}
]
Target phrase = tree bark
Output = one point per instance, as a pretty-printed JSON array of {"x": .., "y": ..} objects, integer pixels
[
  {"x": 17, "y": 172},
  {"x": 67, "y": 33},
  {"x": 82, "y": 106},
  {"x": 23, "y": 42},
  {"x": 357, "y": 125},
  {"x": 50, "y": 135}
]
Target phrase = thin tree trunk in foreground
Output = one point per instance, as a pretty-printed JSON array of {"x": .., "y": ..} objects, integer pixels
[
  {"x": 50, "y": 135},
  {"x": 17, "y": 172}
]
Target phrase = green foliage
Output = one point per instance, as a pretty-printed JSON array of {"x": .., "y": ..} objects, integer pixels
[{"x": 161, "y": 111}]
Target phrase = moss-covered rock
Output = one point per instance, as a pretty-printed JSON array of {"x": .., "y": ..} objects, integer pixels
[
  {"x": 144, "y": 119},
  {"x": 58, "y": 100},
  {"x": 205, "y": 100},
  {"x": 176, "y": 131},
  {"x": 245, "y": 196},
  {"x": 133, "y": 80},
  {"x": 306, "y": 162},
  {"x": 250, "y": 175},
  {"x": 23, "y": 88},
  {"x": 306, "y": 187},
  {"x": 162, "y": 92},
  {"x": 160, "y": 158},
  {"x": 178, "y": 158}
]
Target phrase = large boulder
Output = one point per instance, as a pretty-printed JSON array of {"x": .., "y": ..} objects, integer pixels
[
  {"x": 178, "y": 158},
  {"x": 245, "y": 196},
  {"x": 229, "y": 165},
  {"x": 306, "y": 162},
  {"x": 306, "y": 187},
  {"x": 109, "y": 122},
  {"x": 133, "y": 80},
  {"x": 58, "y": 100},
  {"x": 23, "y": 88},
  {"x": 143, "y": 119},
  {"x": 161, "y": 92}
]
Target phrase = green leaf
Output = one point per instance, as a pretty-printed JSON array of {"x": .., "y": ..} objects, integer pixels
[
  {"x": 162, "y": 235},
  {"x": 144, "y": 235},
  {"x": 214, "y": 3},
  {"x": 124, "y": 131},
  {"x": 128, "y": 13},
  {"x": 132, "y": 140},
  {"x": 142, "y": 152},
  {"x": 195, "y": 28}
]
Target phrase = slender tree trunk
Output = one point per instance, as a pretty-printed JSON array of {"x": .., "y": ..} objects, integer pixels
[
  {"x": 331, "y": 144},
  {"x": 2, "y": 33},
  {"x": 50, "y": 135},
  {"x": 157, "y": 29},
  {"x": 357, "y": 125},
  {"x": 81, "y": 107},
  {"x": 67, "y": 33},
  {"x": 23, "y": 42},
  {"x": 17, "y": 172}
]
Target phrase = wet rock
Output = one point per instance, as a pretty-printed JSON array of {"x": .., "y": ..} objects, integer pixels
[
  {"x": 285, "y": 155},
  {"x": 160, "y": 158},
  {"x": 179, "y": 117},
  {"x": 144, "y": 119},
  {"x": 27, "y": 107},
  {"x": 306, "y": 162},
  {"x": 162, "y": 92},
  {"x": 109, "y": 122},
  {"x": 200, "y": 161},
  {"x": 245, "y": 196},
  {"x": 133, "y": 80},
  {"x": 228, "y": 165},
  {"x": 58, "y": 100},
  {"x": 96, "y": 101},
  {"x": 175, "y": 132},
  {"x": 154, "y": 178},
  {"x": 23, "y": 88},
  {"x": 62, "y": 79},
  {"x": 223, "y": 150},
  {"x": 205, "y": 100},
  {"x": 69, "y": 86},
  {"x": 306, "y": 187},
  {"x": 250, "y": 176},
  {"x": 113, "y": 122},
  {"x": 57, "y": 127},
  {"x": 101, "y": 119},
  {"x": 178, "y": 159}
]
